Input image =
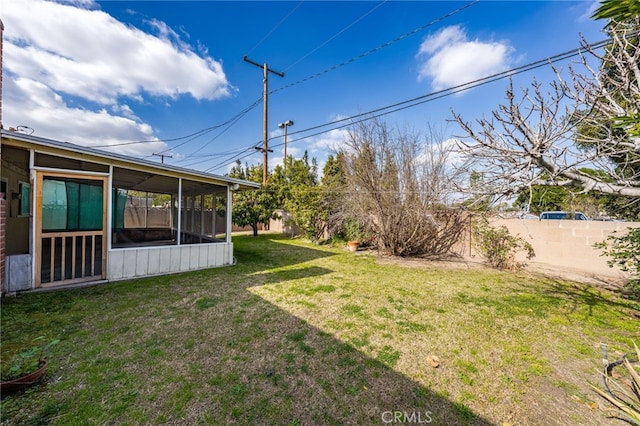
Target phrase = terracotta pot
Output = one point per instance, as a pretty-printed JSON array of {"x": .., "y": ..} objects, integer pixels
[
  {"x": 353, "y": 245},
  {"x": 24, "y": 381}
]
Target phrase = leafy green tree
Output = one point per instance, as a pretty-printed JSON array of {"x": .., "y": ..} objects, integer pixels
[
  {"x": 542, "y": 198},
  {"x": 617, "y": 10},
  {"x": 615, "y": 115},
  {"x": 252, "y": 208},
  {"x": 302, "y": 196},
  {"x": 334, "y": 197}
]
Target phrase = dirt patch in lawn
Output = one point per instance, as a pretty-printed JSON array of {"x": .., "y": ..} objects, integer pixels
[{"x": 474, "y": 263}]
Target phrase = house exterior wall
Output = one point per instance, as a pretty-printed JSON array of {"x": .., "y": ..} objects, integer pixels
[
  {"x": 17, "y": 226},
  {"x": 140, "y": 262},
  {"x": 2, "y": 241},
  {"x": 18, "y": 269}
]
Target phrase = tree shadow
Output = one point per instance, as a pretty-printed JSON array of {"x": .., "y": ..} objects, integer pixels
[
  {"x": 580, "y": 295},
  {"x": 203, "y": 348},
  {"x": 324, "y": 380}
]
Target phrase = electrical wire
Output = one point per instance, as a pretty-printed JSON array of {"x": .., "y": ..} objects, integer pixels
[
  {"x": 376, "y": 49},
  {"x": 335, "y": 36},
  {"x": 274, "y": 28},
  {"x": 389, "y": 43},
  {"x": 441, "y": 93},
  {"x": 379, "y": 112},
  {"x": 230, "y": 160},
  {"x": 229, "y": 124},
  {"x": 209, "y": 157},
  {"x": 189, "y": 137},
  {"x": 233, "y": 120}
]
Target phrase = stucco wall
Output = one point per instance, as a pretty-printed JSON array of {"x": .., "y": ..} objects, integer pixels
[{"x": 568, "y": 244}]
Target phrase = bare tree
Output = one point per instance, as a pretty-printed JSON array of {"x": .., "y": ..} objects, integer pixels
[
  {"x": 579, "y": 133},
  {"x": 398, "y": 190}
]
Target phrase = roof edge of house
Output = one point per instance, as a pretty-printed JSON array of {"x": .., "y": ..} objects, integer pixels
[{"x": 107, "y": 155}]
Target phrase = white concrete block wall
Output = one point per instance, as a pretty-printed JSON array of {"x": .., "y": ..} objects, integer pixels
[
  {"x": 129, "y": 264},
  {"x": 149, "y": 261},
  {"x": 142, "y": 263},
  {"x": 165, "y": 261},
  {"x": 203, "y": 256},
  {"x": 175, "y": 259},
  {"x": 154, "y": 261},
  {"x": 194, "y": 257}
]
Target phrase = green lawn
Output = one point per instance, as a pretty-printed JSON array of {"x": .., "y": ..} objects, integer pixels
[{"x": 298, "y": 334}]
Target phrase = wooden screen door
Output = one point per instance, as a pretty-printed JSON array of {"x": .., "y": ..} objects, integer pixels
[{"x": 71, "y": 227}]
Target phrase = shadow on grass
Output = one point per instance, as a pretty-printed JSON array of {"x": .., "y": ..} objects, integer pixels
[
  {"x": 201, "y": 348},
  {"x": 583, "y": 295}
]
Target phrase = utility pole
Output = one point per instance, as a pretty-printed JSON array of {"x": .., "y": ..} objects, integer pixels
[
  {"x": 162, "y": 156},
  {"x": 265, "y": 99}
]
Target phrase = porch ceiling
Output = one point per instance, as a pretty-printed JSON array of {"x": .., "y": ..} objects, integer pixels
[{"x": 143, "y": 181}]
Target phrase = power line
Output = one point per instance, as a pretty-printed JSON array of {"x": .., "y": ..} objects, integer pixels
[
  {"x": 230, "y": 154},
  {"x": 208, "y": 129},
  {"x": 233, "y": 120},
  {"x": 162, "y": 156},
  {"x": 397, "y": 39},
  {"x": 376, "y": 49},
  {"x": 441, "y": 93},
  {"x": 335, "y": 35},
  {"x": 348, "y": 121},
  {"x": 275, "y": 28},
  {"x": 230, "y": 160},
  {"x": 189, "y": 137},
  {"x": 229, "y": 124}
]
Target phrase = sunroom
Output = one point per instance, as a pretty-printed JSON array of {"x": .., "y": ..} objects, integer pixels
[{"x": 75, "y": 214}]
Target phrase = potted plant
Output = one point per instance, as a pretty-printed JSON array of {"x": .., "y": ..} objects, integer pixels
[
  {"x": 26, "y": 367},
  {"x": 353, "y": 232}
]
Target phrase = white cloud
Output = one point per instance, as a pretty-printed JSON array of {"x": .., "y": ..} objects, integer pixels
[
  {"x": 331, "y": 141},
  {"x": 92, "y": 66},
  {"x": 449, "y": 58},
  {"x": 48, "y": 115}
]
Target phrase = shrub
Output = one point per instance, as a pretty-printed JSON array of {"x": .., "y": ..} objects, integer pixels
[
  {"x": 625, "y": 253},
  {"x": 397, "y": 186},
  {"x": 499, "y": 247}
]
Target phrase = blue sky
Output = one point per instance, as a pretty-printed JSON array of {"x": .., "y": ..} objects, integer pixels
[{"x": 106, "y": 74}]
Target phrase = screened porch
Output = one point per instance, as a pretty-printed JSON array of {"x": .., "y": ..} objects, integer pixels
[
  {"x": 79, "y": 214},
  {"x": 154, "y": 210}
]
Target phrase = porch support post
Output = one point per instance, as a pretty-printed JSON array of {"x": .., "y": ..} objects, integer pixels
[
  {"x": 213, "y": 216},
  {"x": 35, "y": 216},
  {"x": 109, "y": 208},
  {"x": 229, "y": 224},
  {"x": 179, "y": 230},
  {"x": 202, "y": 230}
]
